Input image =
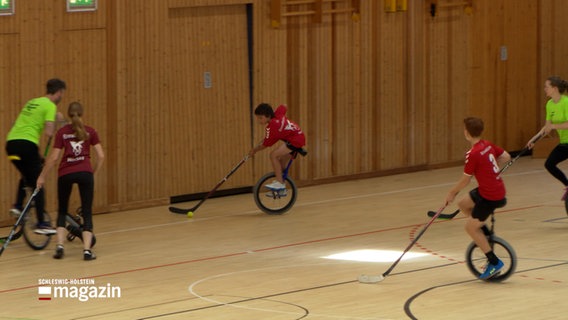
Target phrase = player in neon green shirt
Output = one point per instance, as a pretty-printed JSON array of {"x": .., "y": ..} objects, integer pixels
[
  {"x": 556, "y": 119},
  {"x": 37, "y": 117}
]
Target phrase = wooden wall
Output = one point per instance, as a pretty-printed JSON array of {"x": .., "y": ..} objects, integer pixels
[{"x": 382, "y": 94}]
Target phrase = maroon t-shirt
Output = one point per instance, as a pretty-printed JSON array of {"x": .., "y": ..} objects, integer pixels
[{"x": 76, "y": 154}]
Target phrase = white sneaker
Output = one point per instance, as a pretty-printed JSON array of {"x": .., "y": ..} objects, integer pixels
[
  {"x": 15, "y": 212},
  {"x": 276, "y": 185},
  {"x": 277, "y": 193},
  {"x": 45, "y": 228}
]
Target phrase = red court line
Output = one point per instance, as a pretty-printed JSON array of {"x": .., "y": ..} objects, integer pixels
[{"x": 258, "y": 250}]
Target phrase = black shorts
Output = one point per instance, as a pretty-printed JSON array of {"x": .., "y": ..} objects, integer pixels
[
  {"x": 483, "y": 207},
  {"x": 295, "y": 149}
]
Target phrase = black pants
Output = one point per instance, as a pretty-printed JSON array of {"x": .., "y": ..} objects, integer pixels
[
  {"x": 86, "y": 184},
  {"x": 557, "y": 155},
  {"x": 29, "y": 165}
]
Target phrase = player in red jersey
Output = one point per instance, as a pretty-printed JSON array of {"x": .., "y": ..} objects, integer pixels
[
  {"x": 482, "y": 162},
  {"x": 278, "y": 127}
]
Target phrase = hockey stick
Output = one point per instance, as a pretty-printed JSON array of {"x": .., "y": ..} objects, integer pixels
[
  {"x": 19, "y": 221},
  {"x": 521, "y": 153},
  {"x": 449, "y": 216},
  {"x": 444, "y": 216},
  {"x": 190, "y": 211},
  {"x": 47, "y": 147},
  {"x": 377, "y": 278}
]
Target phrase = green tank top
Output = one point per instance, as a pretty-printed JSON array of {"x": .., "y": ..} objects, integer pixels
[{"x": 31, "y": 120}]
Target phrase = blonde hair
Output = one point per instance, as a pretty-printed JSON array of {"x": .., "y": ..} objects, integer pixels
[{"x": 75, "y": 112}]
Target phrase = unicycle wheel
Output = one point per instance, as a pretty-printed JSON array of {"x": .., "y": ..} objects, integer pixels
[
  {"x": 274, "y": 202},
  {"x": 476, "y": 259},
  {"x": 34, "y": 240}
]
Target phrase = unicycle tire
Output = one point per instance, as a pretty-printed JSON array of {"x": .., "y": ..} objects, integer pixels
[
  {"x": 476, "y": 259},
  {"x": 34, "y": 240},
  {"x": 274, "y": 202},
  {"x": 75, "y": 228}
]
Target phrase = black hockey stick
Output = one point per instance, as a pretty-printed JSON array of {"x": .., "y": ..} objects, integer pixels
[
  {"x": 521, "y": 153},
  {"x": 190, "y": 211},
  {"x": 19, "y": 221},
  {"x": 377, "y": 278},
  {"x": 444, "y": 216}
]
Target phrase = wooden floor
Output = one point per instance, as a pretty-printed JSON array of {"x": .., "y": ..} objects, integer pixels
[{"x": 233, "y": 262}]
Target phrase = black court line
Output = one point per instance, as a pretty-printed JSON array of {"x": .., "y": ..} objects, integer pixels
[
  {"x": 263, "y": 297},
  {"x": 409, "y": 301}
]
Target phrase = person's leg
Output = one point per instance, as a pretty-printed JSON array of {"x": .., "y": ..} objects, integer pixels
[
  {"x": 16, "y": 151},
  {"x": 279, "y": 158},
  {"x": 557, "y": 155},
  {"x": 30, "y": 167},
  {"x": 478, "y": 231},
  {"x": 64, "y": 187},
  {"x": 86, "y": 190},
  {"x": 473, "y": 226},
  {"x": 20, "y": 195}
]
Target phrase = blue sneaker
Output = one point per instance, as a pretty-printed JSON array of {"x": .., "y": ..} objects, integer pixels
[{"x": 492, "y": 270}]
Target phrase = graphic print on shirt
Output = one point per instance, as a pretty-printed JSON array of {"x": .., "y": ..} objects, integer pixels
[
  {"x": 77, "y": 147},
  {"x": 290, "y": 126}
]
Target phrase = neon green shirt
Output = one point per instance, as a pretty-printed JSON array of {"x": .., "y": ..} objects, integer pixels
[{"x": 29, "y": 124}]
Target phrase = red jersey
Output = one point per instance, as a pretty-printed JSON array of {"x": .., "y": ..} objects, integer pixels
[
  {"x": 481, "y": 162},
  {"x": 76, "y": 154},
  {"x": 281, "y": 128}
]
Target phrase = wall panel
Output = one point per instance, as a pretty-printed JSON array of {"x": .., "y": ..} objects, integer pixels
[{"x": 379, "y": 95}]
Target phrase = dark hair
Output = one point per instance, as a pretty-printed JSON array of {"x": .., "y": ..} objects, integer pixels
[
  {"x": 54, "y": 85},
  {"x": 75, "y": 112},
  {"x": 264, "y": 109},
  {"x": 556, "y": 81},
  {"x": 474, "y": 126}
]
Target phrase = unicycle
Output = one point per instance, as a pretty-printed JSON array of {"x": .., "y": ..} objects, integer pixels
[
  {"x": 276, "y": 202},
  {"x": 74, "y": 226},
  {"x": 25, "y": 225},
  {"x": 476, "y": 259}
]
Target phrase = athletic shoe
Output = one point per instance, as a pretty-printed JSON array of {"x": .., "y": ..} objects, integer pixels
[
  {"x": 16, "y": 212},
  {"x": 492, "y": 270},
  {"x": 45, "y": 228},
  {"x": 88, "y": 255},
  {"x": 565, "y": 195},
  {"x": 280, "y": 193},
  {"x": 58, "y": 252},
  {"x": 276, "y": 185}
]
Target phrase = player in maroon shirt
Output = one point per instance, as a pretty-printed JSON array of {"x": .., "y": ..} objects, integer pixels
[
  {"x": 278, "y": 127},
  {"x": 482, "y": 162},
  {"x": 74, "y": 140}
]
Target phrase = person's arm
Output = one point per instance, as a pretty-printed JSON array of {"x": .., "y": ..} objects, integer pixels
[
  {"x": 49, "y": 129},
  {"x": 462, "y": 183},
  {"x": 542, "y": 132},
  {"x": 49, "y": 163},
  {"x": 256, "y": 149},
  {"x": 100, "y": 157},
  {"x": 504, "y": 158}
]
